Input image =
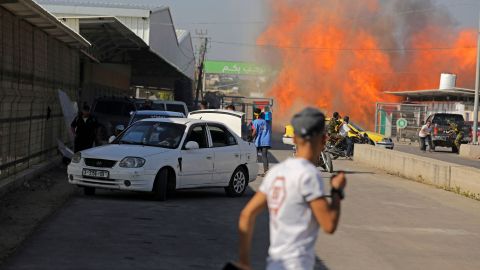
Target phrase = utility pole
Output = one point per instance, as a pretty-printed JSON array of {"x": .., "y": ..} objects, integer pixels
[
  {"x": 202, "y": 34},
  {"x": 477, "y": 89},
  {"x": 201, "y": 60}
]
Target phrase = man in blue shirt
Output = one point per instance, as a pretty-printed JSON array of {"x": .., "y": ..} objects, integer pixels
[{"x": 262, "y": 133}]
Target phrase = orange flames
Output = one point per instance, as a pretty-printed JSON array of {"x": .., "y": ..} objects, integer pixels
[{"x": 342, "y": 55}]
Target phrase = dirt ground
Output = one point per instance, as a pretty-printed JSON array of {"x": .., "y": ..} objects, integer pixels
[{"x": 22, "y": 210}]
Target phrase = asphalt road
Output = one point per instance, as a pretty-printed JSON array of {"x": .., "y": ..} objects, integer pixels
[
  {"x": 441, "y": 153},
  {"x": 387, "y": 223}
]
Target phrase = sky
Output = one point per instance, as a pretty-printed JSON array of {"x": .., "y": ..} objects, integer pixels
[
  {"x": 242, "y": 21},
  {"x": 225, "y": 20}
]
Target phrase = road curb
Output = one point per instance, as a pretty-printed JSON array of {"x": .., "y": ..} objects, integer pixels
[
  {"x": 15, "y": 181},
  {"x": 460, "y": 179}
]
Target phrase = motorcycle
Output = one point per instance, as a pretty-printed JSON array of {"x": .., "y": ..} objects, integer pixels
[
  {"x": 340, "y": 150},
  {"x": 324, "y": 160}
]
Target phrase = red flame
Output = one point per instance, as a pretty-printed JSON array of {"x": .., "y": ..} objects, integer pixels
[{"x": 338, "y": 62}]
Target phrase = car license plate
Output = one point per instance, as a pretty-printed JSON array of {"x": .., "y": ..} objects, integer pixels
[{"x": 95, "y": 173}]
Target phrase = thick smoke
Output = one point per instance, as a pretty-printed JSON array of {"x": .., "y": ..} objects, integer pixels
[{"x": 342, "y": 55}]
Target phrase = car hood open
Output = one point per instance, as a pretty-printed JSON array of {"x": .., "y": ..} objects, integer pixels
[{"x": 119, "y": 151}]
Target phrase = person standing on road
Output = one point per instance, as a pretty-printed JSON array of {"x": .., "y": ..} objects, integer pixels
[
  {"x": 84, "y": 127},
  {"x": 333, "y": 127},
  {"x": 294, "y": 194},
  {"x": 458, "y": 133},
  {"x": 425, "y": 135},
  {"x": 261, "y": 134},
  {"x": 344, "y": 130}
]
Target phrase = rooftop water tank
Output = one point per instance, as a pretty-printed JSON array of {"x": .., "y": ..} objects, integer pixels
[{"x": 447, "y": 81}]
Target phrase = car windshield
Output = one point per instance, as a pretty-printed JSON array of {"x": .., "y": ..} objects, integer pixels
[
  {"x": 176, "y": 108},
  {"x": 445, "y": 119},
  {"x": 160, "y": 134},
  {"x": 356, "y": 127}
]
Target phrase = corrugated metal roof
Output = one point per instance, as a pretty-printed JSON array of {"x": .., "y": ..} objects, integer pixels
[
  {"x": 33, "y": 13},
  {"x": 181, "y": 34},
  {"x": 138, "y": 4},
  {"x": 460, "y": 92}
]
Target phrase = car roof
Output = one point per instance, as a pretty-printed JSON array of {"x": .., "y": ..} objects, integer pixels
[
  {"x": 154, "y": 112},
  {"x": 182, "y": 121}
]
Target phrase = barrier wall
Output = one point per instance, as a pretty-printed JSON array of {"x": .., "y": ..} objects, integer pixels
[
  {"x": 442, "y": 174},
  {"x": 470, "y": 151},
  {"x": 33, "y": 66}
]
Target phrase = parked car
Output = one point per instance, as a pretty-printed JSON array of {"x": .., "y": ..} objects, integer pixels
[
  {"x": 140, "y": 115},
  {"x": 440, "y": 123},
  {"x": 162, "y": 155},
  {"x": 110, "y": 113},
  {"x": 165, "y": 105}
]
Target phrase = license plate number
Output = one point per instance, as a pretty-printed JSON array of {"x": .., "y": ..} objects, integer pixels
[{"x": 95, "y": 173}]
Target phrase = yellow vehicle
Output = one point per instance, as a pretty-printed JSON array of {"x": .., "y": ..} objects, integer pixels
[{"x": 374, "y": 138}]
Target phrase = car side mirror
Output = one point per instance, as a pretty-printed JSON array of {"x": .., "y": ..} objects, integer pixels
[
  {"x": 191, "y": 145},
  {"x": 111, "y": 139}
]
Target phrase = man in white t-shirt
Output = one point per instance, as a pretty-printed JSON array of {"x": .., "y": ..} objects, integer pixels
[
  {"x": 344, "y": 130},
  {"x": 425, "y": 135},
  {"x": 294, "y": 194}
]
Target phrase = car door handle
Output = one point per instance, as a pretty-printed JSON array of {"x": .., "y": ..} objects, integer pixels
[
  {"x": 237, "y": 155},
  {"x": 209, "y": 157}
]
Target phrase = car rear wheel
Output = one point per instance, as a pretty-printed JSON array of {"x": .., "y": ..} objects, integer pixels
[
  {"x": 160, "y": 185},
  {"x": 238, "y": 183},
  {"x": 89, "y": 191}
]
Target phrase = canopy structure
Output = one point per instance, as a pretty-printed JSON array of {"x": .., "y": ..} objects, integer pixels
[
  {"x": 36, "y": 15},
  {"x": 432, "y": 93}
]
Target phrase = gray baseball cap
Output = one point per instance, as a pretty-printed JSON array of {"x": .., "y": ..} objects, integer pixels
[{"x": 308, "y": 122}]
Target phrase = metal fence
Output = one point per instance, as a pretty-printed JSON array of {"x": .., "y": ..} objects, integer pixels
[
  {"x": 387, "y": 115},
  {"x": 33, "y": 66}
]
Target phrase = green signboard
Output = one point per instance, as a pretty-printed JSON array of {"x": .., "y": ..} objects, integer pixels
[{"x": 235, "y": 68}]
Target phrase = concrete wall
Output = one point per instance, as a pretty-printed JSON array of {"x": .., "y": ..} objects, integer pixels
[
  {"x": 427, "y": 170},
  {"x": 470, "y": 151}
]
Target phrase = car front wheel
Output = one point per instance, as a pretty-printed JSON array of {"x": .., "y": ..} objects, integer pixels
[
  {"x": 160, "y": 185},
  {"x": 238, "y": 183}
]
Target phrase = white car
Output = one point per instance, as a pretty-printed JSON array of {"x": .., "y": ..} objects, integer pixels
[{"x": 161, "y": 155}]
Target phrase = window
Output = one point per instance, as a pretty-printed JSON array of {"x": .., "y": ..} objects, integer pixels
[
  {"x": 221, "y": 137},
  {"x": 176, "y": 108},
  {"x": 158, "y": 106},
  {"x": 159, "y": 134},
  {"x": 444, "y": 119},
  {"x": 198, "y": 134}
]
